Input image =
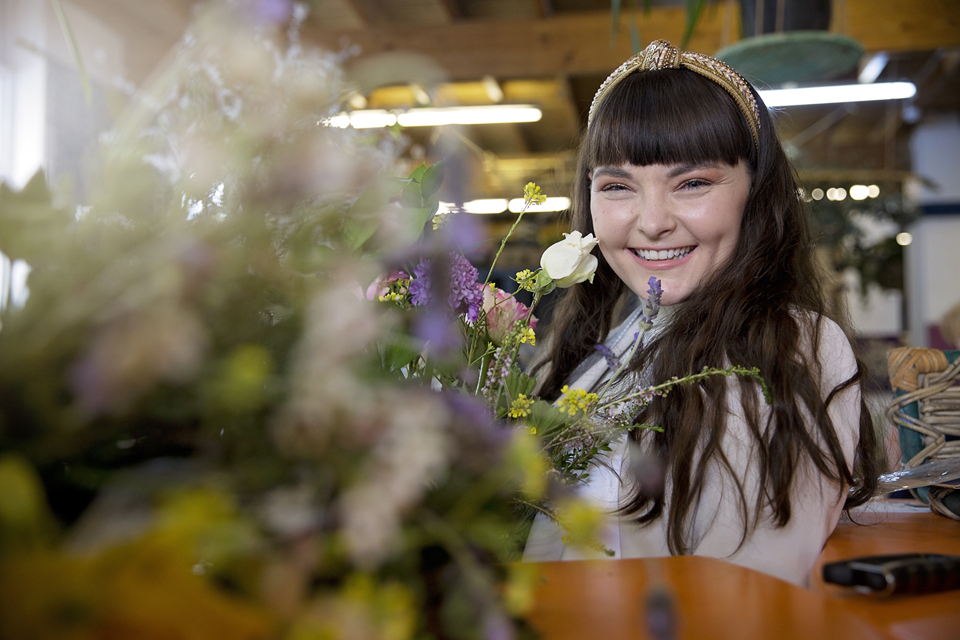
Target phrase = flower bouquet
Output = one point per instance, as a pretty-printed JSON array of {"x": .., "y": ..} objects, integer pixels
[{"x": 479, "y": 360}]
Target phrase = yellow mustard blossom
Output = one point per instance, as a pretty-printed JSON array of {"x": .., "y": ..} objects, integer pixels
[
  {"x": 575, "y": 400},
  {"x": 526, "y": 456},
  {"x": 532, "y": 195},
  {"x": 527, "y": 335},
  {"x": 583, "y": 522},
  {"x": 526, "y": 279},
  {"x": 520, "y": 407},
  {"x": 522, "y": 580},
  {"x": 440, "y": 219},
  {"x": 391, "y": 297}
]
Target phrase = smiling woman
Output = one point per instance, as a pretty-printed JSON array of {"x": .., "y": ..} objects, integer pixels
[
  {"x": 681, "y": 177},
  {"x": 678, "y": 223}
]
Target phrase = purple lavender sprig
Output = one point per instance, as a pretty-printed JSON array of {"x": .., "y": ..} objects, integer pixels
[
  {"x": 613, "y": 362},
  {"x": 652, "y": 304},
  {"x": 497, "y": 373}
]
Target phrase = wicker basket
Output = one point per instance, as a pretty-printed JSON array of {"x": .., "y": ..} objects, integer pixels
[{"x": 926, "y": 410}]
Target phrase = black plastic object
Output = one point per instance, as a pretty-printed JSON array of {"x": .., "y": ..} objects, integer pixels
[{"x": 907, "y": 574}]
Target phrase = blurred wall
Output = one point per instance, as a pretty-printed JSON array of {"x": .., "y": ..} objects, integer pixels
[{"x": 932, "y": 261}]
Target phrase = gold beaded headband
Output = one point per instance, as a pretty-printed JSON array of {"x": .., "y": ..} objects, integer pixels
[{"x": 660, "y": 54}]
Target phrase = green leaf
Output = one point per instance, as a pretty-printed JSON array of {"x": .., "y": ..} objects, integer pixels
[
  {"x": 419, "y": 217},
  {"x": 376, "y": 196},
  {"x": 518, "y": 382},
  {"x": 432, "y": 179},
  {"x": 30, "y": 225},
  {"x": 417, "y": 174},
  {"x": 432, "y": 205},
  {"x": 357, "y": 232},
  {"x": 411, "y": 197},
  {"x": 395, "y": 356},
  {"x": 546, "y": 418},
  {"x": 361, "y": 222}
]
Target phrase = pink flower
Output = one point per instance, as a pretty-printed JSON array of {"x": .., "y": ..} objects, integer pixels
[
  {"x": 381, "y": 286},
  {"x": 502, "y": 313}
]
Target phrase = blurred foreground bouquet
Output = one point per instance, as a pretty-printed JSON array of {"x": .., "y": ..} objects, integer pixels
[{"x": 198, "y": 435}]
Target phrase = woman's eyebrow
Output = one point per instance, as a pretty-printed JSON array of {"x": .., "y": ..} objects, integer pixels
[
  {"x": 681, "y": 169},
  {"x": 612, "y": 172}
]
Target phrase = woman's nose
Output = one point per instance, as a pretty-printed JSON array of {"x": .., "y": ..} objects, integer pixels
[{"x": 654, "y": 217}]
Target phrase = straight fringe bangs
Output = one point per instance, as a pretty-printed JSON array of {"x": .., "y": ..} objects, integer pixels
[{"x": 640, "y": 123}]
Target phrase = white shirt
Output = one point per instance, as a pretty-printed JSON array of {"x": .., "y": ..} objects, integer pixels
[{"x": 788, "y": 552}]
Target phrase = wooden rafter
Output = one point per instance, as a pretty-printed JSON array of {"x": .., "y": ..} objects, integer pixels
[{"x": 580, "y": 43}]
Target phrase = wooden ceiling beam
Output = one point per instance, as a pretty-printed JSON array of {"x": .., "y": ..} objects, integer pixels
[
  {"x": 572, "y": 44},
  {"x": 378, "y": 13}
]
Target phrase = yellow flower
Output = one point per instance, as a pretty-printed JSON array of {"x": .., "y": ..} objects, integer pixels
[
  {"x": 525, "y": 455},
  {"x": 575, "y": 400},
  {"x": 528, "y": 336},
  {"x": 526, "y": 279},
  {"x": 440, "y": 219},
  {"x": 520, "y": 407},
  {"x": 532, "y": 195},
  {"x": 391, "y": 297},
  {"x": 522, "y": 579},
  {"x": 583, "y": 522}
]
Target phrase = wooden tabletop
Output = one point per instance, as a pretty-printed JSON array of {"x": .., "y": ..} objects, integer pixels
[
  {"x": 715, "y": 599},
  {"x": 930, "y": 617}
]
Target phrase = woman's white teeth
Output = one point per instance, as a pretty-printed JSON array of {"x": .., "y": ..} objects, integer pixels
[{"x": 663, "y": 254}]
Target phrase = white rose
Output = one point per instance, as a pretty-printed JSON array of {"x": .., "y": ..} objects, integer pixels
[{"x": 569, "y": 261}]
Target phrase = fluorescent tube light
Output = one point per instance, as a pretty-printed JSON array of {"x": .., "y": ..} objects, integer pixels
[
  {"x": 362, "y": 119},
  {"x": 550, "y": 204},
  {"x": 488, "y": 205},
  {"x": 483, "y": 114},
  {"x": 436, "y": 116},
  {"x": 838, "y": 94}
]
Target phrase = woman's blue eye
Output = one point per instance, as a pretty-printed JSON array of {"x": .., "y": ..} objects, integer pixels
[{"x": 695, "y": 184}]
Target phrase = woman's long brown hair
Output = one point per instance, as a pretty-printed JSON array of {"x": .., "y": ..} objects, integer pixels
[{"x": 763, "y": 310}]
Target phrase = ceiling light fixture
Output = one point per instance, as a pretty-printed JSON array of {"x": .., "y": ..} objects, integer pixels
[
  {"x": 485, "y": 206},
  {"x": 838, "y": 94},
  {"x": 859, "y": 192},
  {"x": 437, "y": 116},
  {"x": 550, "y": 204},
  {"x": 484, "y": 114}
]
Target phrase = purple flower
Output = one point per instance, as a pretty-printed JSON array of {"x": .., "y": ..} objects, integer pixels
[
  {"x": 463, "y": 296},
  {"x": 420, "y": 285},
  {"x": 652, "y": 305},
  {"x": 613, "y": 362},
  {"x": 438, "y": 330}
]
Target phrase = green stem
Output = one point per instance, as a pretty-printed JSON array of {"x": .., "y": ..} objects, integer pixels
[
  {"x": 623, "y": 365},
  {"x": 503, "y": 243},
  {"x": 537, "y": 507}
]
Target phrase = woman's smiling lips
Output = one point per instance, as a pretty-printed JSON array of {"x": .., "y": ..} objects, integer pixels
[{"x": 659, "y": 255}]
